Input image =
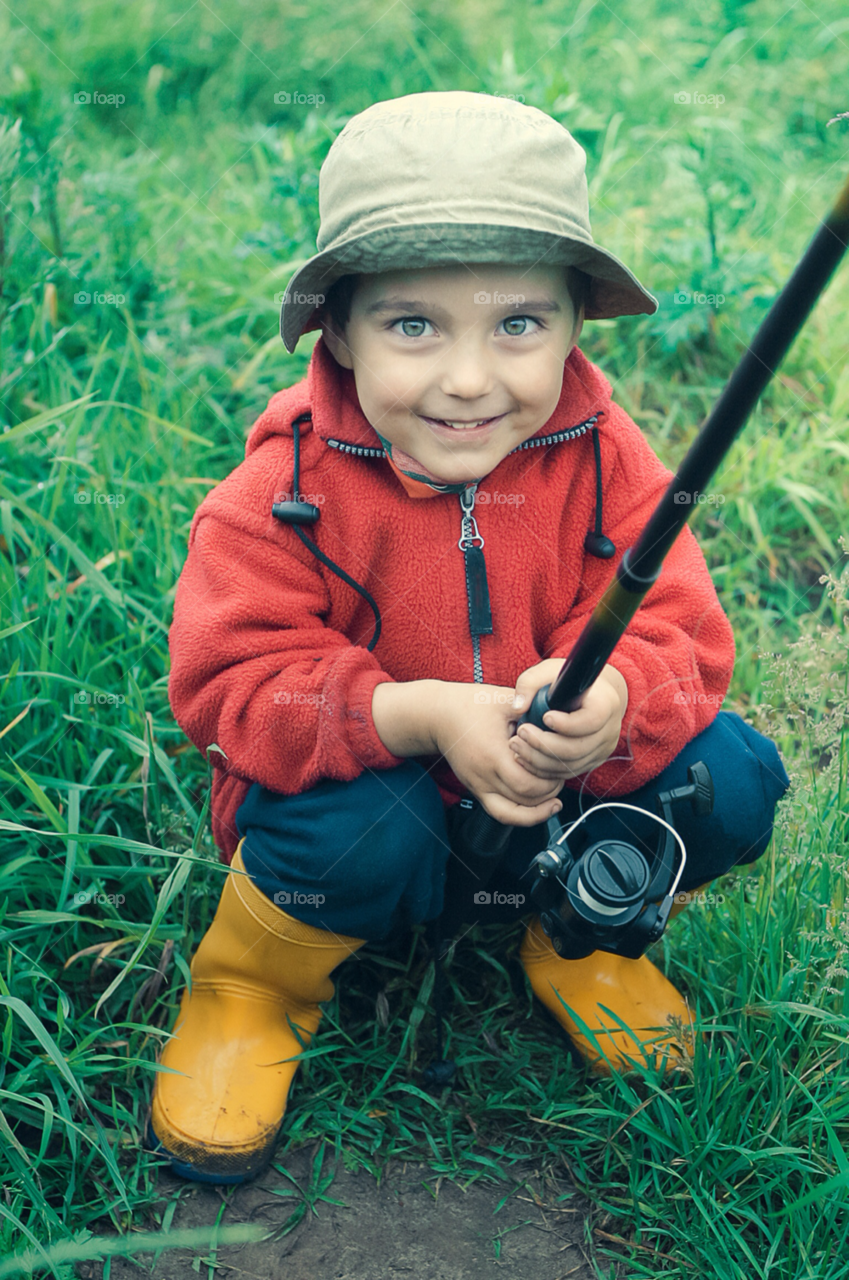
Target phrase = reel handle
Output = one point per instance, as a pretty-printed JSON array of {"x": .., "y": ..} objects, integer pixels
[{"x": 699, "y": 790}]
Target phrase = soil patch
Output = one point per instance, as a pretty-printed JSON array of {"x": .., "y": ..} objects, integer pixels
[{"x": 407, "y": 1225}]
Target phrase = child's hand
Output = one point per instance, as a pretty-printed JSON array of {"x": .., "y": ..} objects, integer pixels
[
  {"x": 577, "y": 741},
  {"x": 470, "y": 725}
]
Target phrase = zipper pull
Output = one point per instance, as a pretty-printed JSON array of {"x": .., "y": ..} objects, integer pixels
[{"x": 477, "y": 588}]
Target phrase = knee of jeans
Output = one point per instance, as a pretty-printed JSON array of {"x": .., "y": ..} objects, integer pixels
[
  {"x": 750, "y": 779},
  {"x": 400, "y": 834},
  {"x": 399, "y": 851}
]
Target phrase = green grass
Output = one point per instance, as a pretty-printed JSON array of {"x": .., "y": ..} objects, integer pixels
[{"x": 194, "y": 200}]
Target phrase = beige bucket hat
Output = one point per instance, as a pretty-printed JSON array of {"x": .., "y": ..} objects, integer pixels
[{"x": 437, "y": 179}]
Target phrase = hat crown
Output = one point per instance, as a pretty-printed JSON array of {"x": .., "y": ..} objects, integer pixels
[
  {"x": 452, "y": 179},
  {"x": 453, "y": 158}
]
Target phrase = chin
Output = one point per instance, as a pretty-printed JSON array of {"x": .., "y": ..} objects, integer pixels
[
  {"x": 467, "y": 471},
  {"x": 461, "y": 475}
]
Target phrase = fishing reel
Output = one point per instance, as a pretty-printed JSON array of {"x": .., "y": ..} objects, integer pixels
[{"x": 604, "y": 896}]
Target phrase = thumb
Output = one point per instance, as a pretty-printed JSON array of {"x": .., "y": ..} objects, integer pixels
[{"x": 528, "y": 684}]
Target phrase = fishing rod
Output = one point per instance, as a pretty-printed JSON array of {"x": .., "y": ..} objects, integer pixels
[{"x": 621, "y": 887}]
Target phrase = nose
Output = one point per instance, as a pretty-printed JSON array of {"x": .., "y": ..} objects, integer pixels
[{"x": 467, "y": 372}]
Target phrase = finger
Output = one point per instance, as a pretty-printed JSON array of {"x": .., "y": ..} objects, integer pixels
[
  {"x": 520, "y": 786},
  {"x": 546, "y": 749},
  {"x": 518, "y": 815},
  {"x": 541, "y": 766},
  {"x": 576, "y": 724},
  {"x": 535, "y": 678},
  {"x": 579, "y": 761},
  {"x": 581, "y": 766}
]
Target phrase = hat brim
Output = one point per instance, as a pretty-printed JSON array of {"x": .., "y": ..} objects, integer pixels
[{"x": 614, "y": 290}]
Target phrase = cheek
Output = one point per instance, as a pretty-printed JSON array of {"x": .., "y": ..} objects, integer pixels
[
  {"x": 545, "y": 380},
  {"x": 382, "y": 372},
  {"x": 538, "y": 389},
  {"x": 383, "y": 399}
]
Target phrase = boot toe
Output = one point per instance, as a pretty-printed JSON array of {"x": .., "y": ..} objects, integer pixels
[
  {"x": 619, "y": 1014},
  {"x": 200, "y": 1160},
  {"x": 667, "y": 1044}
]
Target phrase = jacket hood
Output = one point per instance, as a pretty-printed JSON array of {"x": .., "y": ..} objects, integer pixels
[{"x": 329, "y": 393}]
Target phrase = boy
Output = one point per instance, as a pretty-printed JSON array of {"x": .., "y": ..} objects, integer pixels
[{"x": 360, "y": 683}]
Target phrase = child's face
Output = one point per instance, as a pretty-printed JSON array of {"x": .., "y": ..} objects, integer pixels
[{"x": 437, "y": 349}]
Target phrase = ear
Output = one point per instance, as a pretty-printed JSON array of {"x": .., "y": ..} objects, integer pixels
[
  {"x": 577, "y": 285},
  {"x": 335, "y": 340},
  {"x": 576, "y": 332}
]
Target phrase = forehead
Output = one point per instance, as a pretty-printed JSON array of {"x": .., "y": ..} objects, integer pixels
[{"x": 426, "y": 282}]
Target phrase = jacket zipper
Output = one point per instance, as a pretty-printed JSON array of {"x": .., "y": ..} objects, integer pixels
[{"x": 471, "y": 543}]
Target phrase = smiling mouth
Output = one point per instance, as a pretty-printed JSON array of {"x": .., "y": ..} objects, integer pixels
[{"x": 455, "y": 425}]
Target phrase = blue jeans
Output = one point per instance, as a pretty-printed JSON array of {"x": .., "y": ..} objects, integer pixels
[{"x": 369, "y": 858}]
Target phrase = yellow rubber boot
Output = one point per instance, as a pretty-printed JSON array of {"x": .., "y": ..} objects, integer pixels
[
  {"x": 634, "y": 990},
  {"x": 256, "y": 971}
]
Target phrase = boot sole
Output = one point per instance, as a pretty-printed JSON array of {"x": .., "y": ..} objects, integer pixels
[{"x": 155, "y": 1145}]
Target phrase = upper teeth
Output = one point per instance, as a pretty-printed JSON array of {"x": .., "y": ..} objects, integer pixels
[{"x": 463, "y": 425}]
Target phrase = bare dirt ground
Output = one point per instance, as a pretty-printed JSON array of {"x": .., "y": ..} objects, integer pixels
[{"x": 407, "y": 1225}]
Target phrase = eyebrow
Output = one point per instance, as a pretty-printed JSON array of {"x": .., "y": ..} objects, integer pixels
[{"x": 416, "y": 304}]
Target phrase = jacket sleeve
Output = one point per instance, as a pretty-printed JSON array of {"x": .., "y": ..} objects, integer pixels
[
  {"x": 677, "y": 654},
  {"x": 255, "y": 670}
]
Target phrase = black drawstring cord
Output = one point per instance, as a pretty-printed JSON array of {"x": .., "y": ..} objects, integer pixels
[
  {"x": 295, "y": 512},
  {"x": 596, "y": 543}
]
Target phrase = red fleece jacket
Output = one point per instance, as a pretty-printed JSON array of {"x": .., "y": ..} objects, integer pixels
[{"x": 268, "y": 646}]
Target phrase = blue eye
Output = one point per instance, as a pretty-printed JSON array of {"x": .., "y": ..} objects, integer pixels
[
  {"x": 413, "y": 320},
  {"x": 414, "y": 326},
  {"x": 522, "y": 320}
]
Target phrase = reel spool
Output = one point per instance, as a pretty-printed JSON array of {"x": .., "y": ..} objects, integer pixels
[{"x": 606, "y": 897}]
